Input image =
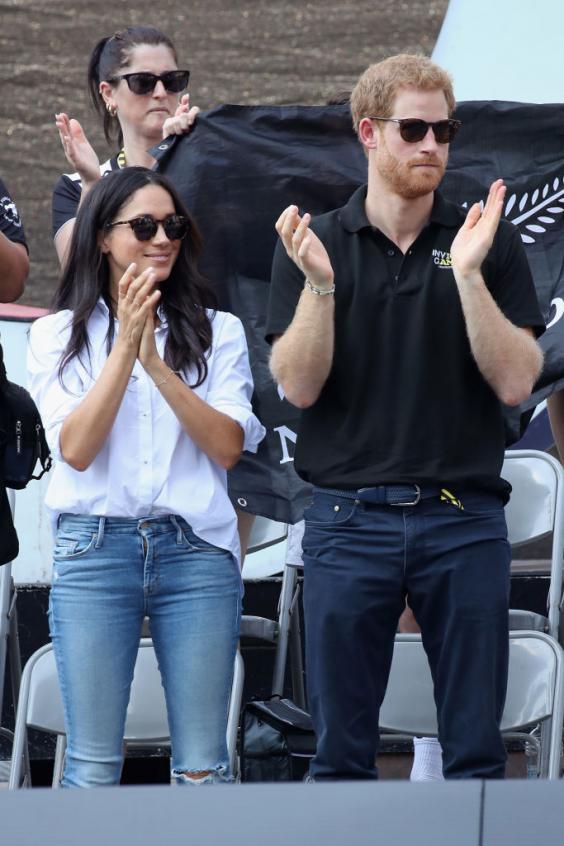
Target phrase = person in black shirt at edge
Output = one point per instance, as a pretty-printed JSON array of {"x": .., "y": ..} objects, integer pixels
[
  {"x": 14, "y": 268},
  {"x": 411, "y": 328},
  {"x": 14, "y": 261}
]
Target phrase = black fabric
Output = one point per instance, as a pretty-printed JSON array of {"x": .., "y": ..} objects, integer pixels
[
  {"x": 66, "y": 195},
  {"x": 11, "y": 226},
  {"x": 10, "y": 221},
  {"x": 9, "y": 545},
  {"x": 236, "y": 171},
  {"x": 242, "y": 165},
  {"x": 404, "y": 397}
]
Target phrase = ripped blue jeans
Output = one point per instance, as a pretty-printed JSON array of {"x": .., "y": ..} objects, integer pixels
[{"x": 108, "y": 574}]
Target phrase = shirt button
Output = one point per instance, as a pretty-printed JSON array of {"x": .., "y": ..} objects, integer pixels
[
  {"x": 396, "y": 278},
  {"x": 391, "y": 252}
]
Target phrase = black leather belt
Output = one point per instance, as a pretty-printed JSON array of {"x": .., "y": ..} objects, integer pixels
[{"x": 400, "y": 495}]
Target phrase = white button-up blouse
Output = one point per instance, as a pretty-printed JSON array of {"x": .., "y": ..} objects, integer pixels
[{"x": 148, "y": 464}]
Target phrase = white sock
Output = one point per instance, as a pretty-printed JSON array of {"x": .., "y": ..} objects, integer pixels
[{"x": 427, "y": 760}]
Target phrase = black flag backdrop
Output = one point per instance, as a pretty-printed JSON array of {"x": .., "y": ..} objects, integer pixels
[{"x": 243, "y": 164}]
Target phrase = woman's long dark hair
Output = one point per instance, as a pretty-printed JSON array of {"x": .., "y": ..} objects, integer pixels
[
  {"x": 108, "y": 57},
  {"x": 85, "y": 278}
]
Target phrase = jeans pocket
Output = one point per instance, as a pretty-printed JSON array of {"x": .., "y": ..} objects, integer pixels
[
  {"x": 194, "y": 543},
  {"x": 328, "y": 510},
  {"x": 71, "y": 545},
  {"x": 482, "y": 505}
]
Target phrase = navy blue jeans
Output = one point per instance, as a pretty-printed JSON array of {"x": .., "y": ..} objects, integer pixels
[{"x": 360, "y": 563}]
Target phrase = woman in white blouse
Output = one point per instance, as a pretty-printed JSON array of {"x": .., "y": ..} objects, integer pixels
[{"x": 145, "y": 395}]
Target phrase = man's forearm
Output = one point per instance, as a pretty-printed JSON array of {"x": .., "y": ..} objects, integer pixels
[
  {"x": 507, "y": 356},
  {"x": 302, "y": 357},
  {"x": 14, "y": 267}
]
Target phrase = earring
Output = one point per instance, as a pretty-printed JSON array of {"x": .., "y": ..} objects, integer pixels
[{"x": 112, "y": 110}]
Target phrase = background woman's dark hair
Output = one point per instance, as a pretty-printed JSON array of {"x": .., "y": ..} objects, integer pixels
[
  {"x": 85, "y": 277},
  {"x": 108, "y": 57}
]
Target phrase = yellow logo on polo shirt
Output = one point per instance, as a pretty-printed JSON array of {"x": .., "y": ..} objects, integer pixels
[{"x": 441, "y": 258}]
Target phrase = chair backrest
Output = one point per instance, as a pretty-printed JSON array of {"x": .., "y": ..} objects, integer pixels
[
  {"x": 146, "y": 718},
  {"x": 536, "y": 508},
  {"x": 146, "y": 713},
  {"x": 266, "y": 550},
  {"x": 537, "y": 480},
  {"x": 533, "y": 690},
  {"x": 45, "y": 706}
]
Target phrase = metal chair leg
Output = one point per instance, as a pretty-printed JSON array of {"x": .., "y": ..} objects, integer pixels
[
  {"x": 59, "y": 762},
  {"x": 296, "y": 657},
  {"x": 289, "y": 581}
]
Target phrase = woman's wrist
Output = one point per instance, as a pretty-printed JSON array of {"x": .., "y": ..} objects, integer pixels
[
  {"x": 156, "y": 368},
  {"x": 161, "y": 382},
  {"x": 126, "y": 349}
]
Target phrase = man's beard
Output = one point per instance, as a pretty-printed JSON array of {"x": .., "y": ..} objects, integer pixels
[{"x": 407, "y": 180}]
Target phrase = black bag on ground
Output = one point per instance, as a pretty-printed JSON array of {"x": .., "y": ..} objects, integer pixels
[
  {"x": 277, "y": 741},
  {"x": 22, "y": 437}
]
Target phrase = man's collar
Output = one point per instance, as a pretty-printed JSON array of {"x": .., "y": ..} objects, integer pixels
[{"x": 353, "y": 215}]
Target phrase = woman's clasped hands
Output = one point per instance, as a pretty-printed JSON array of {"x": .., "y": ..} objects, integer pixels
[{"x": 137, "y": 301}]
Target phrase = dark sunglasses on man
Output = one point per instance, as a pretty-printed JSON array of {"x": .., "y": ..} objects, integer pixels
[
  {"x": 144, "y": 82},
  {"x": 415, "y": 129},
  {"x": 145, "y": 226}
]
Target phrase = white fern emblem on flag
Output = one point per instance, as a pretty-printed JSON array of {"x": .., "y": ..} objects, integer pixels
[{"x": 537, "y": 210}]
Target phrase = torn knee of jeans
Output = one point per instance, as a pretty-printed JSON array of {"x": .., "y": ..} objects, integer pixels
[{"x": 213, "y": 776}]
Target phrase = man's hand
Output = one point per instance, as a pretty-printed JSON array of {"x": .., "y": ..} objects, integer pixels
[
  {"x": 475, "y": 236},
  {"x": 78, "y": 150},
  {"x": 183, "y": 118},
  {"x": 304, "y": 247}
]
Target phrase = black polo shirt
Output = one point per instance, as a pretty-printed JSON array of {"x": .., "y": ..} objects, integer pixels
[
  {"x": 67, "y": 193},
  {"x": 404, "y": 401}
]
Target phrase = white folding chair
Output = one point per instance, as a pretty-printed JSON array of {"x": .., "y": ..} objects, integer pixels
[
  {"x": 266, "y": 557},
  {"x": 535, "y": 693},
  {"x": 536, "y": 510},
  {"x": 40, "y": 707}
]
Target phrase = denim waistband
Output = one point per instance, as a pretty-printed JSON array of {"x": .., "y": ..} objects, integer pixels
[
  {"x": 400, "y": 495},
  {"x": 161, "y": 522}
]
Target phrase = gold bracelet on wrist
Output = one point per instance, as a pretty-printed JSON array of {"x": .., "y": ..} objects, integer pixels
[
  {"x": 321, "y": 292},
  {"x": 166, "y": 378}
]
